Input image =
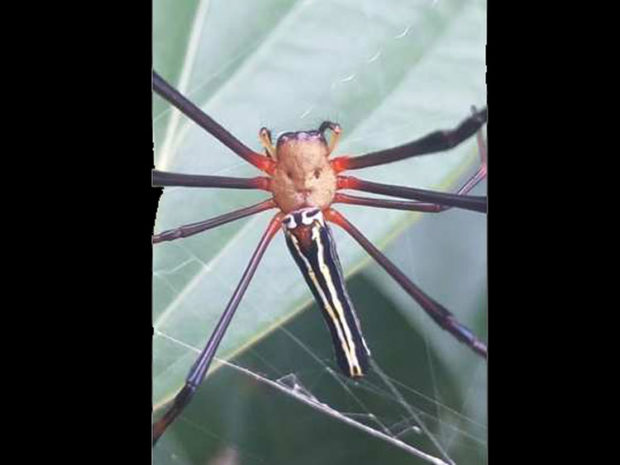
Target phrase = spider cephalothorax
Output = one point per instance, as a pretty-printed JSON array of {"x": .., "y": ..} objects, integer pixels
[{"x": 303, "y": 176}]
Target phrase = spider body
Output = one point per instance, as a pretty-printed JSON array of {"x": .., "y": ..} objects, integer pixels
[
  {"x": 304, "y": 183},
  {"x": 303, "y": 176}
]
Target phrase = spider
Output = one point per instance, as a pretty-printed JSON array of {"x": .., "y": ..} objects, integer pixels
[{"x": 304, "y": 183}]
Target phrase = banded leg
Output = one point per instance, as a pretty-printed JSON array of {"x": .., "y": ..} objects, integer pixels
[
  {"x": 436, "y": 311},
  {"x": 200, "y": 367},
  {"x": 165, "y": 178},
  {"x": 195, "y": 228},
  {"x": 437, "y": 141},
  {"x": 468, "y": 185},
  {"x": 190, "y": 110}
]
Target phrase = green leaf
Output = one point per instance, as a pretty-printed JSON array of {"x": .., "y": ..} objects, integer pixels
[{"x": 388, "y": 72}]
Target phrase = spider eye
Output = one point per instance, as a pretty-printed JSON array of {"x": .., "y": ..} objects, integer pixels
[
  {"x": 289, "y": 174},
  {"x": 317, "y": 173}
]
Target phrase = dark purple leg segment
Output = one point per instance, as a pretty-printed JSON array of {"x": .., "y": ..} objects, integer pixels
[
  {"x": 467, "y": 202},
  {"x": 190, "y": 110},
  {"x": 386, "y": 203},
  {"x": 437, "y": 141},
  {"x": 436, "y": 311},
  {"x": 200, "y": 367},
  {"x": 471, "y": 182},
  {"x": 165, "y": 178},
  {"x": 482, "y": 170},
  {"x": 195, "y": 228}
]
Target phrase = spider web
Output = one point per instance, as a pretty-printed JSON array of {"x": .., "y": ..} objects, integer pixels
[
  {"x": 281, "y": 398},
  {"x": 408, "y": 408},
  {"x": 417, "y": 421}
]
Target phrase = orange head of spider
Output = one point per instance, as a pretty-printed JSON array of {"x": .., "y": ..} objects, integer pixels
[{"x": 303, "y": 176}]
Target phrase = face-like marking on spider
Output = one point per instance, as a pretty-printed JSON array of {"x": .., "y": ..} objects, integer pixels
[
  {"x": 310, "y": 242},
  {"x": 303, "y": 176}
]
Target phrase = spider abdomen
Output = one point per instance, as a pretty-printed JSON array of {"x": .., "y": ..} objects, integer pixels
[{"x": 310, "y": 242}]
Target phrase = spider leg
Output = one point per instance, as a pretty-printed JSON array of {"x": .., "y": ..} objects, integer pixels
[
  {"x": 437, "y": 141},
  {"x": 264, "y": 136},
  {"x": 190, "y": 110},
  {"x": 386, "y": 203},
  {"x": 195, "y": 228},
  {"x": 436, "y": 311},
  {"x": 165, "y": 178},
  {"x": 468, "y": 202},
  {"x": 471, "y": 182},
  {"x": 481, "y": 173},
  {"x": 336, "y": 131},
  {"x": 199, "y": 369}
]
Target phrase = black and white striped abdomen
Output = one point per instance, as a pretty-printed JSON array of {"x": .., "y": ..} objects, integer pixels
[{"x": 310, "y": 242}]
